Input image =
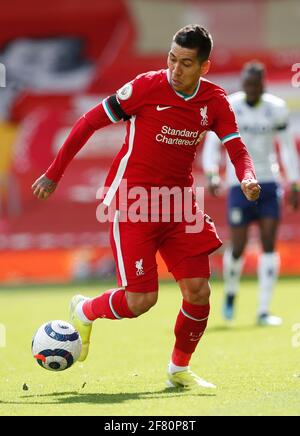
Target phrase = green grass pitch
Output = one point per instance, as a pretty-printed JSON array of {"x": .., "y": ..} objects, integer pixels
[{"x": 257, "y": 370}]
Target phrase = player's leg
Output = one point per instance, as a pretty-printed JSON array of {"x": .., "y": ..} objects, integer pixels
[
  {"x": 137, "y": 281},
  {"x": 268, "y": 269},
  {"x": 192, "y": 319},
  {"x": 232, "y": 267},
  {"x": 190, "y": 268},
  {"x": 189, "y": 328},
  {"x": 268, "y": 263},
  {"x": 114, "y": 304},
  {"x": 241, "y": 213}
]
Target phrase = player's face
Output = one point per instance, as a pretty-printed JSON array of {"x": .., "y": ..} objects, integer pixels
[
  {"x": 253, "y": 87},
  {"x": 186, "y": 68}
]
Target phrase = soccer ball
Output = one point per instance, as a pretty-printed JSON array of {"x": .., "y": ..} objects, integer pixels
[{"x": 56, "y": 345}]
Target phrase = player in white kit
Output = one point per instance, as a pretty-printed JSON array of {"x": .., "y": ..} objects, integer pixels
[{"x": 261, "y": 118}]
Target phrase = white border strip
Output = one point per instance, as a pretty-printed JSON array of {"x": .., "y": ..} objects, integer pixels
[
  {"x": 230, "y": 137},
  {"x": 191, "y": 317},
  {"x": 116, "y": 233},
  {"x": 122, "y": 167},
  {"x": 104, "y": 105},
  {"x": 111, "y": 305}
]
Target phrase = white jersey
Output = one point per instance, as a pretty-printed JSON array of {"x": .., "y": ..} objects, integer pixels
[{"x": 259, "y": 126}]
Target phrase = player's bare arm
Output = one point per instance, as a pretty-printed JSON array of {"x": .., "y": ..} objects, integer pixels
[
  {"x": 294, "y": 196},
  {"x": 251, "y": 189},
  {"x": 43, "y": 187}
]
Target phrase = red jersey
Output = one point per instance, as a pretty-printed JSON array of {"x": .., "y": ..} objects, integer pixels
[{"x": 164, "y": 130}]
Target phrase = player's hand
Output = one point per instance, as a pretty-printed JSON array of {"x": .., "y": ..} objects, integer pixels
[
  {"x": 43, "y": 187},
  {"x": 214, "y": 184},
  {"x": 294, "y": 198},
  {"x": 251, "y": 189}
]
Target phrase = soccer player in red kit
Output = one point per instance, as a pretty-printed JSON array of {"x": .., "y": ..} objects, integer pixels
[{"x": 167, "y": 114}]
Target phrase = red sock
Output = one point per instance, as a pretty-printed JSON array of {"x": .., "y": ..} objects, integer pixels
[
  {"x": 112, "y": 305},
  {"x": 190, "y": 326}
]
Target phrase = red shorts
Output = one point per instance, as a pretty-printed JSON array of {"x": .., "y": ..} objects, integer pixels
[{"x": 135, "y": 246}]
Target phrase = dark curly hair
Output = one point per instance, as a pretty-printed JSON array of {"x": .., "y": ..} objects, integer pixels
[{"x": 195, "y": 37}]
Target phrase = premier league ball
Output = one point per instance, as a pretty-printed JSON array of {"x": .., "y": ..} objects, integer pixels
[{"x": 56, "y": 345}]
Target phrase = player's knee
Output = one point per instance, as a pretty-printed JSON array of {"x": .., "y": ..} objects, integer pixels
[
  {"x": 140, "y": 303},
  {"x": 237, "y": 252},
  {"x": 268, "y": 245},
  {"x": 196, "y": 291},
  {"x": 239, "y": 242},
  {"x": 238, "y": 249}
]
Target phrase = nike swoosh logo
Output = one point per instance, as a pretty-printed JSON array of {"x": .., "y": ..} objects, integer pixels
[{"x": 162, "y": 108}]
